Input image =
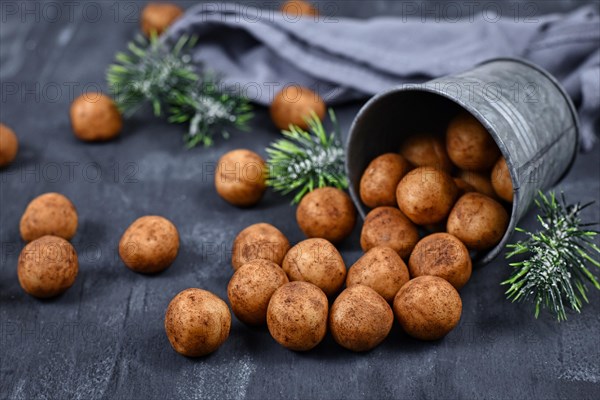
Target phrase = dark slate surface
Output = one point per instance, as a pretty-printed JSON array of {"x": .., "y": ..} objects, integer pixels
[{"x": 104, "y": 338}]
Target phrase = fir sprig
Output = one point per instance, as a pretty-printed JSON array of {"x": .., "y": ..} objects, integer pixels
[
  {"x": 303, "y": 161},
  {"x": 164, "y": 76},
  {"x": 555, "y": 274}
]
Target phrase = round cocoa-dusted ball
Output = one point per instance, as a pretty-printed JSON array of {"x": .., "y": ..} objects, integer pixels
[
  {"x": 501, "y": 180},
  {"x": 9, "y": 145},
  {"x": 157, "y": 17},
  {"x": 47, "y": 266},
  {"x": 298, "y": 8},
  {"x": 316, "y": 261},
  {"x": 426, "y": 150},
  {"x": 251, "y": 288},
  {"x": 381, "y": 269},
  {"x": 149, "y": 245},
  {"x": 478, "y": 221},
  {"x": 259, "y": 241},
  {"x": 360, "y": 318},
  {"x": 240, "y": 177},
  {"x": 293, "y": 105},
  {"x": 49, "y": 214},
  {"x": 326, "y": 213},
  {"x": 469, "y": 144},
  {"x": 197, "y": 322},
  {"x": 387, "y": 226},
  {"x": 379, "y": 181},
  {"x": 426, "y": 195},
  {"x": 427, "y": 307},
  {"x": 95, "y": 118},
  {"x": 297, "y": 316},
  {"x": 479, "y": 181},
  {"x": 442, "y": 255}
]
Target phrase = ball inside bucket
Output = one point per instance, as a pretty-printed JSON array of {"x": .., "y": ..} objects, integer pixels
[{"x": 525, "y": 110}]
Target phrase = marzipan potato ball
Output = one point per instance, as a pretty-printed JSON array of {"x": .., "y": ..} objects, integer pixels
[
  {"x": 9, "y": 145},
  {"x": 360, "y": 318},
  {"x": 379, "y": 181},
  {"x": 298, "y": 8},
  {"x": 381, "y": 269},
  {"x": 47, "y": 266},
  {"x": 442, "y": 255},
  {"x": 197, "y": 322},
  {"x": 149, "y": 245},
  {"x": 157, "y": 17},
  {"x": 259, "y": 241},
  {"x": 480, "y": 181},
  {"x": 251, "y": 288},
  {"x": 387, "y": 226},
  {"x": 49, "y": 214},
  {"x": 293, "y": 105},
  {"x": 297, "y": 316},
  {"x": 428, "y": 307},
  {"x": 95, "y": 118},
  {"x": 316, "y": 261},
  {"x": 501, "y": 180},
  {"x": 478, "y": 221},
  {"x": 426, "y": 195},
  {"x": 469, "y": 144},
  {"x": 426, "y": 151},
  {"x": 326, "y": 213},
  {"x": 240, "y": 177}
]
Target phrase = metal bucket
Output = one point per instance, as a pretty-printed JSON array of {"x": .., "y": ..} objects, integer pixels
[{"x": 523, "y": 107}]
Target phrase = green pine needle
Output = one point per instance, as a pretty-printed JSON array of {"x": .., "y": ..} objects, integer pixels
[
  {"x": 165, "y": 77},
  {"x": 555, "y": 274},
  {"x": 303, "y": 161}
]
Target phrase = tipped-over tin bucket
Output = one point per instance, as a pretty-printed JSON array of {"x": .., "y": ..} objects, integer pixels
[{"x": 523, "y": 107}]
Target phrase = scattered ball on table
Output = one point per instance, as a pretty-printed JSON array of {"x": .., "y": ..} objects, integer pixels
[
  {"x": 427, "y": 307},
  {"x": 9, "y": 145},
  {"x": 293, "y": 105},
  {"x": 426, "y": 195},
  {"x": 381, "y": 269},
  {"x": 297, "y": 316},
  {"x": 379, "y": 181},
  {"x": 316, "y": 261},
  {"x": 478, "y": 221},
  {"x": 426, "y": 151},
  {"x": 157, "y": 17},
  {"x": 49, "y": 214},
  {"x": 259, "y": 241},
  {"x": 149, "y": 245},
  {"x": 326, "y": 213},
  {"x": 251, "y": 288},
  {"x": 469, "y": 144},
  {"x": 197, "y": 322},
  {"x": 480, "y": 181},
  {"x": 360, "y": 319},
  {"x": 95, "y": 118},
  {"x": 298, "y": 8},
  {"x": 387, "y": 226},
  {"x": 441, "y": 255},
  {"x": 240, "y": 177},
  {"x": 501, "y": 180},
  {"x": 47, "y": 266}
]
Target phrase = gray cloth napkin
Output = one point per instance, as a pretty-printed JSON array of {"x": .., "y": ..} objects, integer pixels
[{"x": 260, "y": 51}]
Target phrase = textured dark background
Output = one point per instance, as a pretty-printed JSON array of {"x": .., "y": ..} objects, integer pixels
[{"x": 104, "y": 338}]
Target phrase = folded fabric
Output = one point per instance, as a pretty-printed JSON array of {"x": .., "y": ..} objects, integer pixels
[{"x": 260, "y": 51}]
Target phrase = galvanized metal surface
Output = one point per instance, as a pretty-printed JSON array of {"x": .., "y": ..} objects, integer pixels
[{"x": 525, "y": 110}]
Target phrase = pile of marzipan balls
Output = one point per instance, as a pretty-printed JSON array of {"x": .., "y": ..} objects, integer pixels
[{"x": 434, "y": 203}]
